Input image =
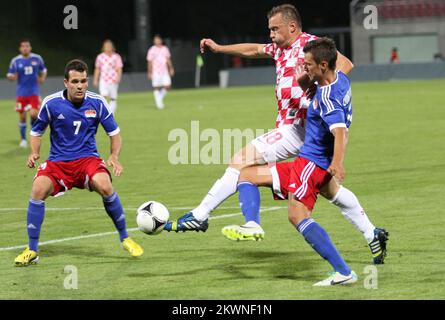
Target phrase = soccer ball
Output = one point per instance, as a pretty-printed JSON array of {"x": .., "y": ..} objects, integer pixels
[{"x": 151, "y": 217}]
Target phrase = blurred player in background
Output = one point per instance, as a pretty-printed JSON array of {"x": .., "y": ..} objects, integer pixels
[
  {"x": 159, "y": 70},
  {"x": 283, "y": 142},
  {"x": 29, "y": 70},
  {"x": 74, "y": 116},
  {"x": 108, "y": 73}
]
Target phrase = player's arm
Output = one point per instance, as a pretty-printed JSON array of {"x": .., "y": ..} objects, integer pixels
[
  {"x": 42, "y": 77},
  {"x": 35, "y": 143},
  {"x": 96, "y": 77},
  {"x": 115, "y": 149},
  {"x": 171, "y": 70},
  {"x": 343, "y": 64},
  {"x": 245, "y": 50},
  {"x": 149, "y": 70},
  {"x": 12, "y": 74},
  {"x": 119, "y": 74},
  {"x": 336, "y": 168}
]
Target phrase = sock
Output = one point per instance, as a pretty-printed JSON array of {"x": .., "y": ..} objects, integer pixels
[
  {"x": 113, "y": 105},
  {"x": 163, "y": 93},
  {"x": 351, "y": 209},
  {"x": 115, "y": 211},
  {"x": 220, "y": 191},
  {"x": 158, "y": 98},
  {"x": 318, "y": 238},
  {"x": 249, "y": 200},
  {"x": 22, "y": 128},
  {"x": 34, "y": 220}
]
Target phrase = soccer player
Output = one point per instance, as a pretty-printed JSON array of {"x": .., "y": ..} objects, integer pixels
[
  {"x": 74, "y": 116},
  {"x": 159, "y": 70},
  {"x": 286, "y": 139},
  {"x": 108, "y": 73},
  {"x": 319, "y": 165},
  {"x": 29, "y": 70}
]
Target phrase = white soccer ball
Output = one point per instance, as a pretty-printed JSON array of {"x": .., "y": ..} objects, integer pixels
[{"x": 151, "y": 217}]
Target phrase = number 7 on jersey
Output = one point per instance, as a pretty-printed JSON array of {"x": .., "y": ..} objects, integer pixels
[{"x": 77, "y": 124}]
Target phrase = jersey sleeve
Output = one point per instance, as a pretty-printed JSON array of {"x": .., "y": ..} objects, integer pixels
[
  {"x": 150, "y": 55},
  {"x": 270, "y": 49},
  {"x": 12, "y": 68},
  {"x": 42, "y": 121},
  {"x": 107, "y": 120},
  {"x": 42, "y": 67},
  {"x": 333, "y": 114}
]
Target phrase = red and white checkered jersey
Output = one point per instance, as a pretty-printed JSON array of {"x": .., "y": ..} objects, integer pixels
[
  {"x": 158, "y": 56},
  {"x": 289, "y": 64},
  {"x": 108, "y": 66}
]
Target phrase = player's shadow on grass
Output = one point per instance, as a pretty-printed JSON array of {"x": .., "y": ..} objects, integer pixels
[
  {"x": 86, "y": 252},
  {"x": 15, "y": 151}
]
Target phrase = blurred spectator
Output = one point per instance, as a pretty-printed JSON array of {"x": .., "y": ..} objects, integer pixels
[
  {"x": 237, "y": 62},
  {"x": 394, "y": 56}
]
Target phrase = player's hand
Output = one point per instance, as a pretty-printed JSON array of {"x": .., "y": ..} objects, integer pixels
[
  {"x": 337, "y": 171},
  {"x": 212, "y": 45},
  {"x": 117, "y": 167},
  {"x": 311, "y": 91},
  {"x": 172, "y": 72},
  {"x": 32, "y": 160}
]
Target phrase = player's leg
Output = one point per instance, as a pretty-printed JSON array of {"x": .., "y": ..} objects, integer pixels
[
  {"x": 249, "y": 199},
  {"x": 22, "y": 128},
  {"x": 157, "y": 83},
  {"x": 101, "y": 183},
  {"x": 319, "y": 240},
  {"x": 222, "y": 189},
  {"x": 113, "y": 97},
  {"x": 42, "y": 188},
  {"x": 34, "y": 110},
  {"x": 351, "y": 209},
  {"x": 166, "y": 86}
]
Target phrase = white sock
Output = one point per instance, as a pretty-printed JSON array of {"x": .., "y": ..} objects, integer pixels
[
  {"x": 113, "y": 105},
  {"x": 351, "y": 209},
  {"x": 220, "y": 191},
  {"x": 158, "y": 98},
  {"x": 163, "y": 92}
]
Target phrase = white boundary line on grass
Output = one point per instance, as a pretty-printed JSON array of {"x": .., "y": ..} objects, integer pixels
[
  {"x": 5, "y": 210},
  {"x": 228, "y": 215}
]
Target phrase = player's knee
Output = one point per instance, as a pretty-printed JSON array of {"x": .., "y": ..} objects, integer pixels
[
  {"x": 39, "y": 192},
  {"x": 105, "y": 189}
]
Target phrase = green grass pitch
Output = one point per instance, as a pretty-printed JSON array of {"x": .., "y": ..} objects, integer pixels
[{"x": 395, "y": 165}]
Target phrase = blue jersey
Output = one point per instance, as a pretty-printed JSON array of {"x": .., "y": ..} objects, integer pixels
[
  {"x": 74, "y": 128},
  {"x": 27, "y": 70},
  {"x": 331, "y": 108}
]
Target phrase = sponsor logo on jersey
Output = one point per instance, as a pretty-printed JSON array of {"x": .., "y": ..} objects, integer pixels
[
  {"x": 61, "y": 117},
  {"x": 90, "y": 113}
]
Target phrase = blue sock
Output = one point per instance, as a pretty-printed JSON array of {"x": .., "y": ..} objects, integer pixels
[
  {"x": 22, "y": 127},
  {"x": 35, "y": 215},
  {"x": 249, "y": 199},
  {"x": 115, "y": 211},
  {"x": 317, "y": 237}
]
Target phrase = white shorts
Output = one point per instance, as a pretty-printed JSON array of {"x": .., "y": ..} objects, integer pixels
[
  {"x": 280, "y": 144},
  {"x": 108, "y": 90},
  {"x": 161, "y": 80}
]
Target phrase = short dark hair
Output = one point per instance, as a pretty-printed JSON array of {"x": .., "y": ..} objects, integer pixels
[
  {"x": 24, "y": 40},
  {"x": 77, "y": 65},
  {"x": 323, "y": 49},
  {"x": 288, "y": 11}
]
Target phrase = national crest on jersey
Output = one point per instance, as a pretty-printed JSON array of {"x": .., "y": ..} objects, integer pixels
[{"x": 289, "y": 64}]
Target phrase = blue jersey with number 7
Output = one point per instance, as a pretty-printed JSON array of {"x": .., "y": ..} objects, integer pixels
[{"x": 74, "y": 127}]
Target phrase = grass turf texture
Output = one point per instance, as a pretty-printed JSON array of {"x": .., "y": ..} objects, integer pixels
[{"x": 394, "y": 165}]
